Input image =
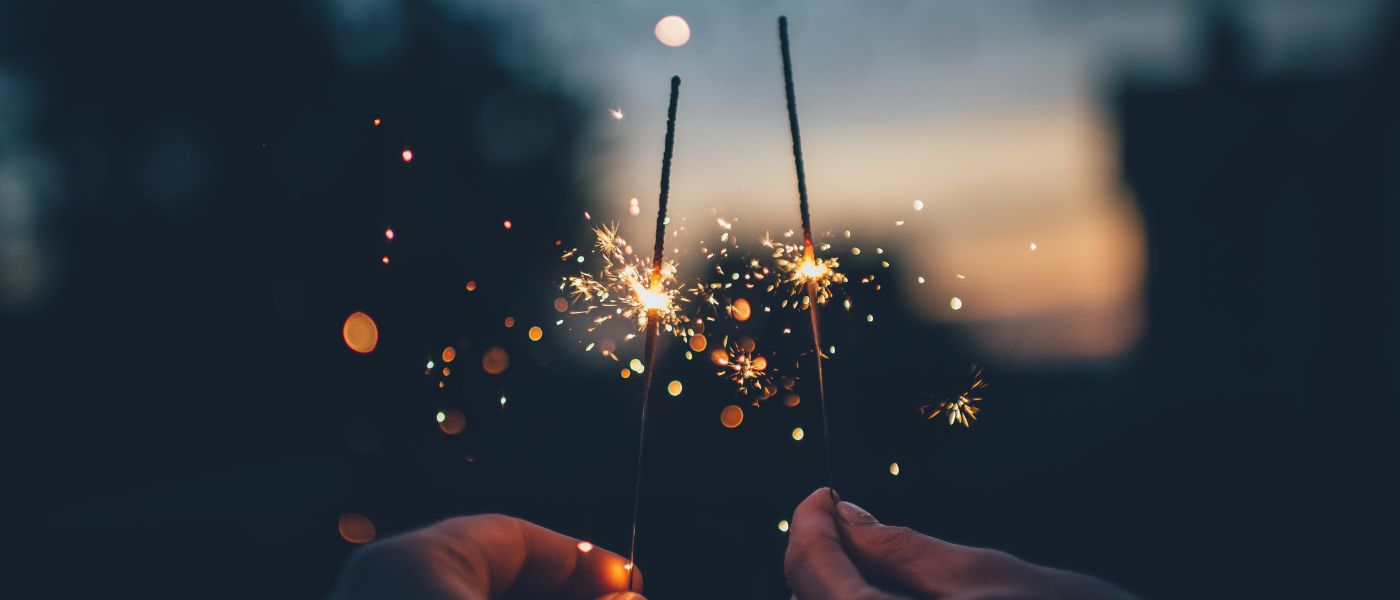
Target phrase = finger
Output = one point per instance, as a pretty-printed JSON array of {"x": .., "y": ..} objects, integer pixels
[
  {"x": 497, "y": 554},
  {"x": 815, "y": 564},
  {"x": 906, "y": 559}
]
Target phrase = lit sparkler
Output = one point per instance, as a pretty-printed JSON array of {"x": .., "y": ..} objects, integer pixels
[
  {"x": 962, "y": 408},
  {"x": 809, "y": 271},
  {"x": 803, "y": 274},
  {"x": 656, "y": 305},
  {"x": 634, "y": 289}
]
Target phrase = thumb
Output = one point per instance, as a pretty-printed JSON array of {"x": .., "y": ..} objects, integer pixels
[{"x": 902, "y": 558}]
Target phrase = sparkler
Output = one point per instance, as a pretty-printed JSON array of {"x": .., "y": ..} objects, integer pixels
[
  {"x": 817, "y": 276},
  {"x": 657, "y": 305}
]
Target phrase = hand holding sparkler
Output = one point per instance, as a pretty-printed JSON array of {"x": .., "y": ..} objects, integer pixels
[
  {"x": 837, "y": 550},
  {"x": 483, "y": 557}
]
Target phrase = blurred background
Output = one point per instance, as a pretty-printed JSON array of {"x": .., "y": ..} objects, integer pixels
[{"x": 1164, "y": 231}]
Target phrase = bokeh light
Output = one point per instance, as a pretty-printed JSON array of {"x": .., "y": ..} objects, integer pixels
[
  {"x": 955, "y": 303},
  {"x": 452, "y": 421},
  {"x": 585, "y": 547},
  {"x": 407, "y": 155},
  {"x": 356, "y": 528},
  {"x": 495, "y": 361},
  {"x": 740, "y": 310},
  {"x": 674, "y": 388},
  {"x": 698, "y": 342},
  {"x": 449, "y": 354},
  {"x": 536, "y": 333},
  {"x": 673, "y": 31},
  {"x": 783, "y": 526},
  {"x": 360, "y": 333},
  {"x": 798, "y": 434},
  {"x": 731, "y": 416},
  {"x": 894, "y": 469},
  {"x": 636, "y": 365}
]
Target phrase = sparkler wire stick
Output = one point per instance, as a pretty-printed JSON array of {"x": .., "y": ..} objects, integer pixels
[
  {"x": 809, "y": 256},
  {"x": 653, "y": 318}
]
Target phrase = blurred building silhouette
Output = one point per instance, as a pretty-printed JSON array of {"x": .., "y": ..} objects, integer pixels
[{"x": 1268, "y": 362}]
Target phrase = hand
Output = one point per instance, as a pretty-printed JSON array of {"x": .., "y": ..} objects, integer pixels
[
  {"x": 839, "y": 551},
  {"x": 482, "y": 557}
]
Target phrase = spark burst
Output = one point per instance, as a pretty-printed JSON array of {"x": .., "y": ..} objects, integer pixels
[
  {"x": 802, "y": 274},
  {"x": 747, "y": 370},
  {"x": 629, "y": 288},
  {"x": 961, "y": 409}
]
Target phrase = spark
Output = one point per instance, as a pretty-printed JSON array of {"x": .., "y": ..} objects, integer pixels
[
  {"x": 407, "y": 155},
  {"x": 585, "y": 547},
  {"x": 1033, "y": 246},
  {"x": 376, "y": 121},
  {"x": 745, "y": 369},
  {"x": 507, "y": 224},
  {"x": 802, "y": 271},
  {"x": 388, "y": 234},
  {"x": 962, "y": 408},
  {"x": 626, "y": 288},
  {"x": 616, "y": 113}
]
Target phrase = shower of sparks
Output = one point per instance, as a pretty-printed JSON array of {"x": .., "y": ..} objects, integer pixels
[
  {"x": 962, "y": 408},
  {"x": 803, "y": 274},
  {"x": 746, "y": 369},
  {"x": 624, "y": 288}
]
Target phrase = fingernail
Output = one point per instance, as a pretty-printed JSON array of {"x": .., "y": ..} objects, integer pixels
[{"x": 855, "y": 515}]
